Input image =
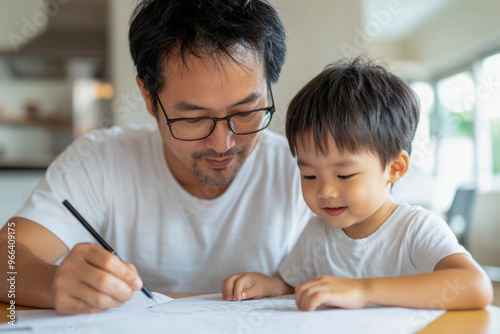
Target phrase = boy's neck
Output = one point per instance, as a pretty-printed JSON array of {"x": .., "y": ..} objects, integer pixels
[{"x": 372, "y": 224}]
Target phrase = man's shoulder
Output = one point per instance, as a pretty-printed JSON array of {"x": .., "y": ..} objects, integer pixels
[
  {"x": 316, "y": 226},
  {"x": 115, "y": 143},
  {"x": 114, "y": 139},
  {"x": 274, "y": 139},
  {"x": 122, "y": 133}
]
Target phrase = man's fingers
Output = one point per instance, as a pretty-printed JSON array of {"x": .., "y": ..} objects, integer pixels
[
  {"x": 112, "y": 264},
  {"x": 101, "y": 258},
  {"x": 132, "y": 277},
  {"x": 108, "y": 283},
  {"x": 100, "y": 281},
  {"x": 91, "y": 279},
  {"x": 95, "y": 299},
  {"x": 71, "y": 305}
]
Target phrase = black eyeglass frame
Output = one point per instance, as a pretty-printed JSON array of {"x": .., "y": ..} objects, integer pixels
[{"x": 170, "y": 121}]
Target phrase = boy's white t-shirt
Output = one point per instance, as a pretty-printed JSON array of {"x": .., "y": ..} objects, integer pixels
[
  {"x": 119, "y": 181},
  {"x": 412, "y": 240}
]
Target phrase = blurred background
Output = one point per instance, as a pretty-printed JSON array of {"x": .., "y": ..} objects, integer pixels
[{"x": 65, "y": 70}]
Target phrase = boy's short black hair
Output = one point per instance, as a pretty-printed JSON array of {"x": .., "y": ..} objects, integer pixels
[
  {"x": 362, "y": 105},
  {"x": 203, "y": 27}
]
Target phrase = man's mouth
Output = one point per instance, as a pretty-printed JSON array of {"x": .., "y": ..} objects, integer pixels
[{"x": 223, "y": 163}]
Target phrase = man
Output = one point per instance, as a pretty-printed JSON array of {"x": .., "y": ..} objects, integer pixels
[{"x": 205, "y": 195}]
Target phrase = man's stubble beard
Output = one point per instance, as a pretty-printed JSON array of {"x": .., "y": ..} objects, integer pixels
[{"x": 220, "y": 177}]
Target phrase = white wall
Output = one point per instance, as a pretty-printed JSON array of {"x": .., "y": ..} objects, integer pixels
[
  {"x": 15, "y": 188},
  {"x": 315, "y": 33},
  {"x": 52, "y": 98},
  {"x": 127, "y": 106}
]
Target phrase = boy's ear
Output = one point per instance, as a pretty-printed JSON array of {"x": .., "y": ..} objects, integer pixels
[
  {"x": 146, "y": 95},
  {"x": 399, "y": 166}
]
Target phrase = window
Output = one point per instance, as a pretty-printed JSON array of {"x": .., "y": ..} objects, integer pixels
[
  {"x": 488, "y": 121},
  {"x": 465, "y": 125},
  {"x": 454, "y": 132}
]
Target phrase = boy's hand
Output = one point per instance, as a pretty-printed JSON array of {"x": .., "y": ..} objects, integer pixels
[
  {"x": 251, "y": 285},
  {"x": 331, "y": 291}
]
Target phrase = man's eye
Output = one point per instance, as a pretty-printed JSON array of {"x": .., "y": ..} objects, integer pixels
[
  {"x": 345, "y": 177},
  {"x": 246, "y": 114},
  {"x": 308, "y": 177}
]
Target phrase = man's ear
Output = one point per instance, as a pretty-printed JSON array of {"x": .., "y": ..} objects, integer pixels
[
  {"x": 146, "y": 95},
  {"x": 399, "y": 166}
]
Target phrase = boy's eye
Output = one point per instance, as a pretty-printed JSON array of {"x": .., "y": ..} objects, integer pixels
[
  {"x": 308, "y": 177},
  {"x": 345, "y": 177}
]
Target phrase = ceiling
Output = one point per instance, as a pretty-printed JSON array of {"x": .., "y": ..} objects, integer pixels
[
  {"x": 30, "y": 47},
  {"x": 407, "y": 16}
]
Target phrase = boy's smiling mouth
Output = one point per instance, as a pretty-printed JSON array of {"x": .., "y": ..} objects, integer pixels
[{"x": 335, "y": 211}]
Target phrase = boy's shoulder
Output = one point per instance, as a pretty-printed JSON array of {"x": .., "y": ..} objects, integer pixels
[
  {"x": 409, "y": 212},
  {"x": 416, "y": 220}
]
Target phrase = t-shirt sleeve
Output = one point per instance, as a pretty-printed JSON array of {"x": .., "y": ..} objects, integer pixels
[
  {"x": 75, "y": 175},
  {"x": 301, "y": 264},
  {"x": 430, "y": 241}
]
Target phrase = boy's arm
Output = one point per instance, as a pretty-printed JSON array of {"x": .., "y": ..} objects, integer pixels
[
  {"x": 456, "y": 283},
  {"x": 253, "y": 286}
]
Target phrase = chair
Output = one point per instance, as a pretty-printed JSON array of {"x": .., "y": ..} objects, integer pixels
[
  {"x": 484, "y": 238},
  {"x": 460, "y": 214}
]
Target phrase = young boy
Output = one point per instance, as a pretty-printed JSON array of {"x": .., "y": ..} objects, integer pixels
[{"x": 351, "y": 129}]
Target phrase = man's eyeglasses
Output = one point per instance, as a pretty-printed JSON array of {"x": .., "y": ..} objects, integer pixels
[{"x": 242, "y": 123}]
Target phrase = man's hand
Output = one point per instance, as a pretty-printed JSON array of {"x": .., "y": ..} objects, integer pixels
[
  {"x": 91, "y": 279},
  {"x": 330, "y": 291},
  {"x": 253, "y": 286}
]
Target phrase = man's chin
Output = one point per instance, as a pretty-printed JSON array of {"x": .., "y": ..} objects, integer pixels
[{"x": 215, "y": 178}]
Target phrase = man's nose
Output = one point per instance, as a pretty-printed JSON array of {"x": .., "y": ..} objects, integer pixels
[{"x": 222, "y": 139}]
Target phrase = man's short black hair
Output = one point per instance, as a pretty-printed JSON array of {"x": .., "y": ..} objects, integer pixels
[
  {"x": 361, "y": 105},
  {"x": 203, "y": 27}
]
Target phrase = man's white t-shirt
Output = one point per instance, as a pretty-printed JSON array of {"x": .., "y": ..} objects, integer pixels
[
  {"x": 412, "y": 240},
  {"x": 119, "y": 181}
]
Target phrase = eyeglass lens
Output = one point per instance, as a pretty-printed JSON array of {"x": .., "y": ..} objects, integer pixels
[{"x": 243, "y": 123}]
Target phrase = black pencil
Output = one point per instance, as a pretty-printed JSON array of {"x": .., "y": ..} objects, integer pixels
[{"x": 103, "y": 243}]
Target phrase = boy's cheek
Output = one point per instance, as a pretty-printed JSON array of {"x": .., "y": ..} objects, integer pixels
[{"x": 309, "y": 196}]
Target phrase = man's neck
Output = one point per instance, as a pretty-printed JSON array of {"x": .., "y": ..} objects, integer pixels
[{"x": 203, "y": 191}]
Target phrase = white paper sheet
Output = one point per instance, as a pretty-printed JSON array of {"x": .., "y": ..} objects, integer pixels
[
  {"x": 210, "y": 314},
  {"x": 47, "y": 317}
]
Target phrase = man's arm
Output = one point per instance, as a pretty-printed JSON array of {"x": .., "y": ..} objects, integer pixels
[
  {"x": 456, "y": 283},
  {"x": 34, "y": 273},
  {"x": 89, "y": 279}
]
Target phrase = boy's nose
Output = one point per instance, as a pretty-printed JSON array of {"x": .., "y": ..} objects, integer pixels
[{"x": 327, "y": 190}]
